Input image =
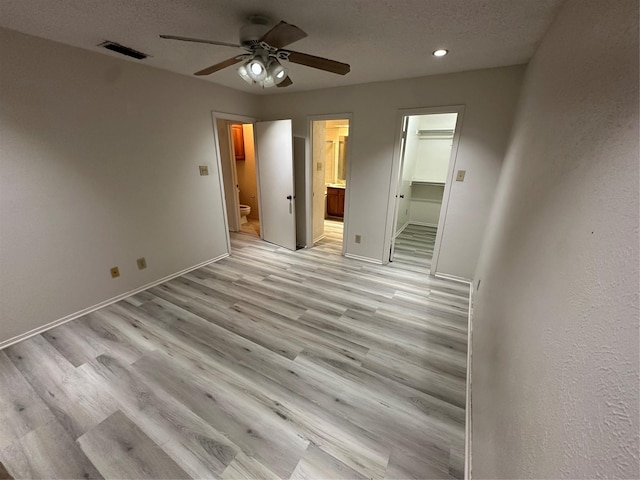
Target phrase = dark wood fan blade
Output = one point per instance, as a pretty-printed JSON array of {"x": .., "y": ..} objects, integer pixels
[
  {"x": 285, "y": 83},
  {"x": 219, "y": 66},
  {"x": 282, "y": 35},
  {"x": 198, "y": 40},
  {"x": 319, "y": 63}
]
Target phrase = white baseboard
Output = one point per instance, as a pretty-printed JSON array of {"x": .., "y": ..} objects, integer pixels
[
  {"x": 401, "y": 229},
  {"x": 455, "y": 278},
  {"x": 363, "y": 259},
  {"x": 85, "y": 311},
  {"x": 468, "y": 412},
  {"x": 316, "y": 240},
  {"x": 423, "y": 224}
]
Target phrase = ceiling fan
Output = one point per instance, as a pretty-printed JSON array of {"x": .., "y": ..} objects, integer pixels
[{"x": 261, "y": 64}]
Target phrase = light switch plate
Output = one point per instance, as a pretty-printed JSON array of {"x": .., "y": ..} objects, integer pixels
[
  {"x": 115, "y": 272},
  {"x": 358, "y": 238},
  {"x": 142, "y": 263},
  {"x": 319, "y": 166},
  {"x": 460, "y": 175},
  {"x": 204, "y": 170}
]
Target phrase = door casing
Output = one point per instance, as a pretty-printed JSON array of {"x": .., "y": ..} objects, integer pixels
[{"x": 395, "y": 172}]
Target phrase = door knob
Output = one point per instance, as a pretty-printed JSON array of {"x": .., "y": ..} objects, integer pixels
[
  {"x": 401, "y": 196},
  {"x": 289, "y": 197}
]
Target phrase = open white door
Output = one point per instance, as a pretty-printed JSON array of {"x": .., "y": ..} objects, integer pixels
[
  {"x": 399, "y": 194},
  {"x": 274, "y": 155}
]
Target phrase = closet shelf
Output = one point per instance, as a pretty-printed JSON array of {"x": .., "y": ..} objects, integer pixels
[{"x": 418, "y": 182}]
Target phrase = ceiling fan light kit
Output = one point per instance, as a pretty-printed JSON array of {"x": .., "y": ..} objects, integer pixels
[{"x": 261, "y": 64}]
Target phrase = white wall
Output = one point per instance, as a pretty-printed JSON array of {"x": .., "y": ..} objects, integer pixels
[
  {"x": 434, "y": 153},
  {"x": 489, "y": 97},
  {"x": 426, "y": 203},
  {"x": 99, "y": 162},
  {"x": 555, "y": 327}
]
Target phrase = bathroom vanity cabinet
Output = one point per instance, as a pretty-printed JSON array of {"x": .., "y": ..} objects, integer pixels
[{"x": 335, "y": 202}]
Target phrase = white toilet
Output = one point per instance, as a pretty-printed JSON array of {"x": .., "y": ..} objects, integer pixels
[{"x": 245, "y": 210}]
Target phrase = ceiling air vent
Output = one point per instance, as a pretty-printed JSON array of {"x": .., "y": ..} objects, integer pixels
[{"x": 129, "y": 52}]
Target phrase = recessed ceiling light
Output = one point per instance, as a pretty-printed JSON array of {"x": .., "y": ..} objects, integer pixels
[{"x": 440, "y": 53}]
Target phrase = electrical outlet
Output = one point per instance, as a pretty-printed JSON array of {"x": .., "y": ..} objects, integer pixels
[
  {"x": 204, "y": 170},
  {"x": 460, "y": 175},
  {"x": 358, "y": 238},
  {"x": 115, "y": 272},
  {"x": 142, "y": 263},
  {"x": 319, "y": 166}
]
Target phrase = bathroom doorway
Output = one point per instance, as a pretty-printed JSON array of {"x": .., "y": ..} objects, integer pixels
[
  {"x": 246, "y": 175},
  {"x": 266, "y": 148},
  {"x": 236, "y": 147},
  {"x": 426, "y": 162},
  {"x": 329, "y": 158}
]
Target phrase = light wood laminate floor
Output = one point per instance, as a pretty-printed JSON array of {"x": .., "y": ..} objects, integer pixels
[
  {"x": 414, "y": 248},
  {"x": 267, "y": 364}
]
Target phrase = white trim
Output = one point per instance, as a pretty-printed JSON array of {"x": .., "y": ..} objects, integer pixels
[
  {"x": 468, "y": 414},
  {"x": 318, "y": 239},
  {"x": 401, "y": 229},
  {"x": 309, "y": 179},
  {"x": 455, "y": 278},
  {"x": 425, "y": 200},
  {"x": 423, "y": 224},
  {"x": 363, "y": 259},
  {"x": 105, "y": 303}
]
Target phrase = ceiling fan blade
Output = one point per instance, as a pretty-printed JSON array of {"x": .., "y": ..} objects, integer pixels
[
  {"x": 283, "y": 34},
  {"x": 220, "y": 66},
  {"x": 198, "y": 40},
  {"x": 285, "y": 83},
  {"x": 318, "y": 62}
]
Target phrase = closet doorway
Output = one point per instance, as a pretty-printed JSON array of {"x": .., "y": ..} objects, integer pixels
[{"x": 426, "y": 154}]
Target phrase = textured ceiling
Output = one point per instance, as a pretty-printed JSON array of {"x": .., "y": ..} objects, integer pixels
[{"x": 380, "y": 39}]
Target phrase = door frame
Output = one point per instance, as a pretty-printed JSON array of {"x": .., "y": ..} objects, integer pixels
[
  {"x": 309, "y": 176},
  {"x": 232, "y": 117},
  {"x": 395, "y": 172}
]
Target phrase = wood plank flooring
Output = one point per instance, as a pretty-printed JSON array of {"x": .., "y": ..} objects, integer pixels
[
  {"x": 267, "y": 364},
  {"x": 414, "y": 247}
]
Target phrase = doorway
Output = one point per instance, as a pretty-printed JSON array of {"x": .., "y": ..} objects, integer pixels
[
  {"x": 329, "y": 159},
  {"x": 256, "y": 161},
  {"x": 426, "y": 161},
  {"x": 242, "y": 143}
]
